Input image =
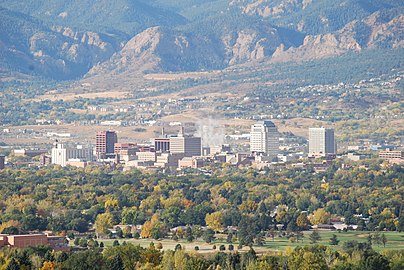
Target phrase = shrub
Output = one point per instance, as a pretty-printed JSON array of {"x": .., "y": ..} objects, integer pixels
[{"x": 159, "y": 245}]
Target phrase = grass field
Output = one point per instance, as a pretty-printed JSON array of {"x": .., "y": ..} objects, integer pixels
[{"x": 395, "y": 241}]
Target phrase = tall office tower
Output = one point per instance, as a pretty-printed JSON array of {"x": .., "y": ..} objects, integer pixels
[
  {"x": 187, "y": 145},
  {"x": 264, "y": 139},
  {"x": 62, "y": 154},
  {"x": 162, "y": 145},
  {"x": 2, "y": 161},
  {"x": 105, "y": 141},
  {"x": 321, "y": 142}
]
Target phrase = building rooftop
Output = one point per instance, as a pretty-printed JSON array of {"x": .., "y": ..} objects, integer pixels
[{"x": 266, "y": 123}]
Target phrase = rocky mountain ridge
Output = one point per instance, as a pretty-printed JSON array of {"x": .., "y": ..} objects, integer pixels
[{"x": 278, "y": 30}]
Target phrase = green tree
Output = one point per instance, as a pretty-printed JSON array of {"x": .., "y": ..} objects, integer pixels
[
  {"x": 85, "y": 260},
  {"x": 260, "y": 239},
  {"x": 246, "y": 231},
  {"x": 383, "y": 239},
  {"x": 229, "y": 238},
  {"x": 302, "y": 221},
  {"x": 116, "y": 263},
  {"x": 314, "y": 237},
  {"x": 208, "y": 235},
  {"x": 307, "y": 259},
  {"x": 375, "y": 262},
  {"x": 13, "y": 265},
  {"x": 334, "y": 240}
]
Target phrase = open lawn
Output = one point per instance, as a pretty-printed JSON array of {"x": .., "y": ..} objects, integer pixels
[{"x": 395, "y": 241}]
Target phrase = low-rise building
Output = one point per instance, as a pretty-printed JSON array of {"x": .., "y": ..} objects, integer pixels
[
  {"x": 28, "y": 153},
  {"x": 31, "y": 240},
  {"x": 62, "y": 154},
  {"x": 392, "y": 156},
  {"x": 192, "y": 162}
]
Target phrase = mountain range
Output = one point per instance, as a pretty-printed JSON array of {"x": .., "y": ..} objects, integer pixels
[{"x": 70, "y": 40}]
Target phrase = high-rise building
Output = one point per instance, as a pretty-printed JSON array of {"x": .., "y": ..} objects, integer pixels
[
  {"x": 61, "y": 154},
  {"x": 264, "y": 138},
  {"x": 2, "y": 162},
  {"x": 321, "y": 142},
  {"x": 162, "y": 145},
  {"x": 105, "y": 141},
  {"x": 188, "y": 145}
]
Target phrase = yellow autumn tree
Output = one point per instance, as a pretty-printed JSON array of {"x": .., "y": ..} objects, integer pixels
[
  {"x": 48, "y": 266},
  {"x": 149, "y": 225},
  {"x": 111, "y": 204},
  {"x": 320, "y": 216},
  {"x": 103, "y": 222},
  {"x": 215, "y": 221}
]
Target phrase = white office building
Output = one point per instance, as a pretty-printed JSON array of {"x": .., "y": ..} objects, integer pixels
[
  {"x": 321, "y": 142},
  {"x": 62, "y": 154},
  {"x": 264, "y": 139}
]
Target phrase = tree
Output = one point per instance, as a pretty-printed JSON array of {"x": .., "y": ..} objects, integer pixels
[
  {"x": 376, "y": 238},
  {"x": 156, "y": 233},
  {"x": 129, "y": 253},
  {"x": 214, "y": 221},
  {"x": 307, "y": 259},
  {"x": 153, "y": 228},
  {"x": 83, "y": 242},
  {"x": 188, "y": 234},
  {"x": 229, "y": 237},
  {"x": 159, "y": 246},
  {"x": 48, "y": 266},
  {"x": 116, "y": 263},
  {"x": 383, "y": 239},
  {"x": 103, "y": 223},
  {"x": 13, "y": 265},
  {"x": 299, "y": 236},
  {"x": 208, "y": 236},
  {"x": 178, "y": 247},
  {"x": 302, "y": 221},
  {"x": 334, "y": 240},
  {"x": 314, "y": 237},
  {"x": 320, "y": 216},
  {"x": 369, "y": 239},
  {"x": 246, "y": 231},
  {"x": 85, "y": 260},
  {"x": 119, "y": 232},
  {"x": 376, "y": 262},
  {"x": 260, "y": 240},
  {"x": 79, "y": 224}
]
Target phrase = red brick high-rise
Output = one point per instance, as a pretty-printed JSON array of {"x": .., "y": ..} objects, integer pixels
[{"x": 105, "y": 141}]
